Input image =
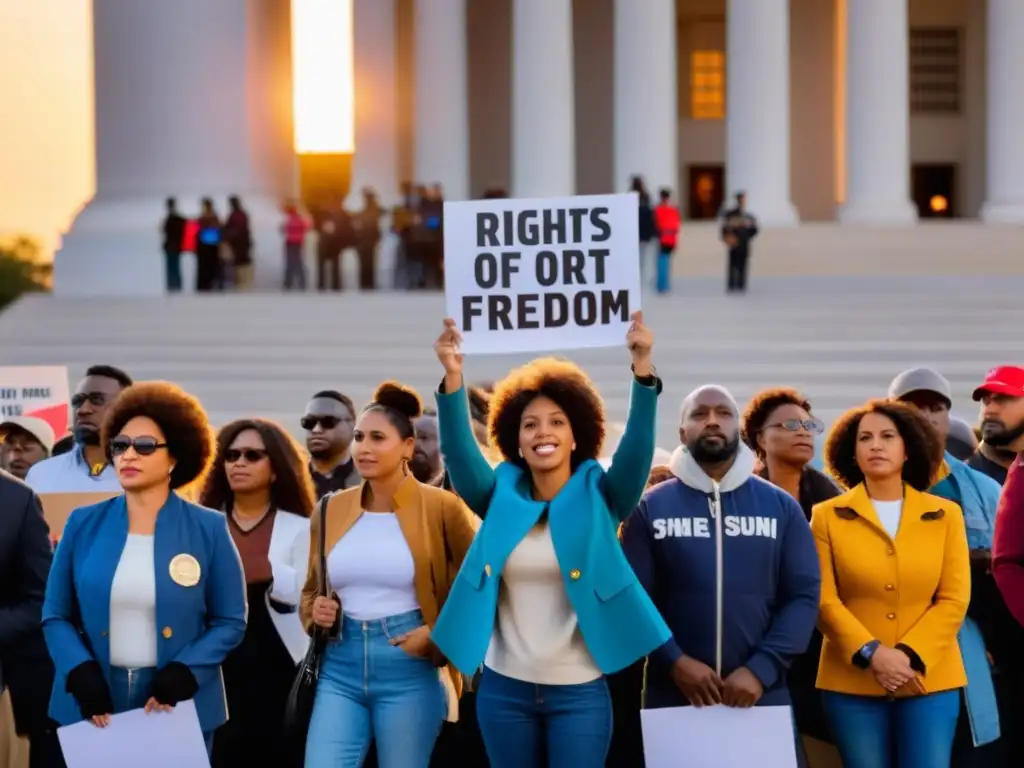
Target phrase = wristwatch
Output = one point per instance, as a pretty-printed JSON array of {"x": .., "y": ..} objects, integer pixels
[
  {"x": 649, "y": 380},
  {"x": 863, "y": 657}
]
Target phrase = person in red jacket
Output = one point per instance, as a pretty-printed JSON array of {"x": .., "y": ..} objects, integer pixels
[
  {"x": 1008, "y": 541},
  {"x": 667, "y": 222}
]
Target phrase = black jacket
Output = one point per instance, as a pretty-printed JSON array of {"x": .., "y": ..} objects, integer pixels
[{"x": 25, "y": 555}]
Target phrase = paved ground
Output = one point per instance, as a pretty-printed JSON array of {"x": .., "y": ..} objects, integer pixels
[{"x": 839, "y": 339}]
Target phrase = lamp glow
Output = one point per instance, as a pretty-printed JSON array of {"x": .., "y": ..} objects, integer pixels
[{"x": 323, "y": 76}]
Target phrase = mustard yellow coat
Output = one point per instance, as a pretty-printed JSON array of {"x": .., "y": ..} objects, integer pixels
[{"x": 913, "y": 590}]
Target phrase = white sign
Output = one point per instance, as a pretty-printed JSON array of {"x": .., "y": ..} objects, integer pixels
[
  {"x": 36, "y": 390},
  {"x": 542, "y": 275},
  {"x": 719, "y": 737}
]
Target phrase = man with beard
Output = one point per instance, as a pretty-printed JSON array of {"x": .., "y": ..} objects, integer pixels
[
  {"x": 733, "y": 637},
  {"x": 426, "y": 465},
  {"x": 85, "y": 468},
  {"x": 329, "y": 421},
  {"x": 1002, "y": 421}
]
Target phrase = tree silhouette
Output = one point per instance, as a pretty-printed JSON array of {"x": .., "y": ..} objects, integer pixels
[{"x": 21, "y": 271}]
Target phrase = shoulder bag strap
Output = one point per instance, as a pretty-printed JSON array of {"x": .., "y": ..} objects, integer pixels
[{"x": 323, "y": 544}]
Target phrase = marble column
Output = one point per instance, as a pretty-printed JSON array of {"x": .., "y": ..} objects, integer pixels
[
  {"x": 187, "y": 105},
  {"x": 757, "y": 108},
  {"x": 375, "y": 163},
  {"x": 543, "y": 99},
  {"x": 442, "y": 98},
  {"x": 646, "y": 116},
  {"x": 1005, "y": 50},
  {"x": 877, "y": 114}
]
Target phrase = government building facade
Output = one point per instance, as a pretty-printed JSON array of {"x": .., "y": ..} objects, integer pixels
[{"x": 867, "y": 112}]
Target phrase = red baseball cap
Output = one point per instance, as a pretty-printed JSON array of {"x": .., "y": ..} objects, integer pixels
[{"x": 1002, "y": 380}]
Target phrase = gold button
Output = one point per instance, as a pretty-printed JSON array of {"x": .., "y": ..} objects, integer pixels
[
  {"x": 575, "y": 574},
  {"x": 487, "y": 569},
  {"x": 889, "y": 587},
  {"x": 890, "y": 552},
  {"x": 167, "y": 633},
  {"x": 890, "y": 616}
]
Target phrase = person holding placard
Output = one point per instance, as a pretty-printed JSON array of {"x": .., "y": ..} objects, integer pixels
[
  {"x": 896, "y": 581},
  {"x": 545, "y": 598},
  {"x": 146, "y": 594}
]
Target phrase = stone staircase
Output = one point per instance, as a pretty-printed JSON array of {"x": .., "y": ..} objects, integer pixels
[{"x": 838, "y": 338}]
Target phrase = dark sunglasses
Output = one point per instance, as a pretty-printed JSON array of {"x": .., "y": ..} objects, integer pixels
[
  {"x": 814, "y": 426},
  {"x": 251, "y": 455},
  {"x": 144, "y": 446},
  {"x": 96, "y": 398},
  {"x": 327, "y": 422}
]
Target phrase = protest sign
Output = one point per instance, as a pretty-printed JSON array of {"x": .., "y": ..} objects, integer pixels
[
  {"x": 57, "y": 507},
  {"x": 36, "y": 390},
  {"x": 541, "y": 275}
]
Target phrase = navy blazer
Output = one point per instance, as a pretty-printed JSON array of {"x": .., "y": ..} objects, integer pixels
[{"x": 198, "y": 625}]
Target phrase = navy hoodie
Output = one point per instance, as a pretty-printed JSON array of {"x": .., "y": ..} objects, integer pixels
[{"x": 733, "y": 569}]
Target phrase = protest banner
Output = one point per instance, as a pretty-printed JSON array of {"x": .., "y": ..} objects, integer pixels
[
  {"x": 57, "y": 507},
  {"x": 36, "y": 390},
  {"x": 542, "y": 275}
]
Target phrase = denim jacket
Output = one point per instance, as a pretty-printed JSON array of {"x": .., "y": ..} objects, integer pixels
[{"x": 978, "y": 495}]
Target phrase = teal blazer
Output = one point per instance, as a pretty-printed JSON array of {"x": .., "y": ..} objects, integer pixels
[
  {"x": 198, "y": 625},
  {"x": 617, "y": 619}
]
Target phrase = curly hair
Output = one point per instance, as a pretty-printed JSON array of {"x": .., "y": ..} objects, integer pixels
[
  {"x": 921, "y": 442},
  {"x": 180, "y": 417},
  {"x": 292, "y": 490},
  {"x": 561, "y": 381},
  {"x": 659, "y": 474},
  {"x": 761, "y": 406}
]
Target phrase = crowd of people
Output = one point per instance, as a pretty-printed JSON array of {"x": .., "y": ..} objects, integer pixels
[{"x": 483, "y": 586}]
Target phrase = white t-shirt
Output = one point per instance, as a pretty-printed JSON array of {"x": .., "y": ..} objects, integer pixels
[
  {"x": 889, "y": 513},
  {"x": 133, "y": 606},
  {"x": 371, "y": 568},
  {"x": 536, "y": 637}
]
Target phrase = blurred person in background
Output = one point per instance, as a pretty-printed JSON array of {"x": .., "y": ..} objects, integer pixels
[
  {"x": 962, "y": 441},
  {"x": 261, "y": 483},
  {"x": 173, "y": 228},
  {"x": 146, "y": 594},
  {"x": 366, "y": 225},
  {"x": 294, "y": 230},
  {"x": 646, "y": 228},
  {"x": 26, "y": 441},
  {"x": 209, "y": 239},
  {"x": 238, "y": 239}
]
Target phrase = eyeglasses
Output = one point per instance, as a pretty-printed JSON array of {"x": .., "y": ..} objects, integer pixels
[
  {"x": 327, "y": 422},
  {"x": 814, "y": 426},
  {"x": 144, "y": 446},
  {"x": 96, "y": 398},
  {"x": 251, "y": 455}
]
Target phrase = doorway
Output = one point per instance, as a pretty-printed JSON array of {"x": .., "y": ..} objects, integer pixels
[
  {"x": 706, "y": 191},
  {"x": 934, "y": 190}
]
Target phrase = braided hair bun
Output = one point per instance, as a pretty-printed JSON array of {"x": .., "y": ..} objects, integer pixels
[{"x": 391, "y": 394}]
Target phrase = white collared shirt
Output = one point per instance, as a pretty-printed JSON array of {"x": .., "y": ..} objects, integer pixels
[{"x": 71, "y": 473}]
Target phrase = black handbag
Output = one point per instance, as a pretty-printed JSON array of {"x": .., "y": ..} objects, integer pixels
[{"x": 299, "y": 709}]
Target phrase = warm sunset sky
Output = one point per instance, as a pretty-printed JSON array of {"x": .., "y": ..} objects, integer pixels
[{"x": 46, "y": 132}]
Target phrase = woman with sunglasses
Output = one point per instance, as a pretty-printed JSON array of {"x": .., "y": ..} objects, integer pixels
[
  {"x": 262, "y": 484},
  {"x": 146, "y": 596},
  {"x": 779, "y": 427}
]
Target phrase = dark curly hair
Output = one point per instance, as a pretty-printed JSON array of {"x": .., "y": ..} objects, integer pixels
[
  {"x": 566, "y": 384},
  {"x": 292, "y": 491},
  {"x": 761, "y": 406},
  {"x": 180, "y": 417},
  {"x": 659, "y": 474},
  {"x": 921, "y": 442}
]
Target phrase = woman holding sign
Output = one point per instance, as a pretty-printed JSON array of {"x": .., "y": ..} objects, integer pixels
[{"x": 545, "y": 598}]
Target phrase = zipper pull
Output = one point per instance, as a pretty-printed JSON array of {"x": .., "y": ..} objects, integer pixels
[{"x": 716, "y": 498}]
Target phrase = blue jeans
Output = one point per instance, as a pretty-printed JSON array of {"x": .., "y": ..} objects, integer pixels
[
  {"x": 521, "y": 722},
  {"x": 876, "y": 732},
  {"x": 294, "y": 267},
  {"x": 129, "y": 689},
  {"x": 172, "y": 263},
  {"x": 372, "y": 690},
  {"x": 664, "y": 281}
]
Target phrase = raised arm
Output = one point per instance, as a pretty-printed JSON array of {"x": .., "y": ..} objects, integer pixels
[
  {"x": 631, "y": 464},
  {"x": 471, "y": 474}
]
